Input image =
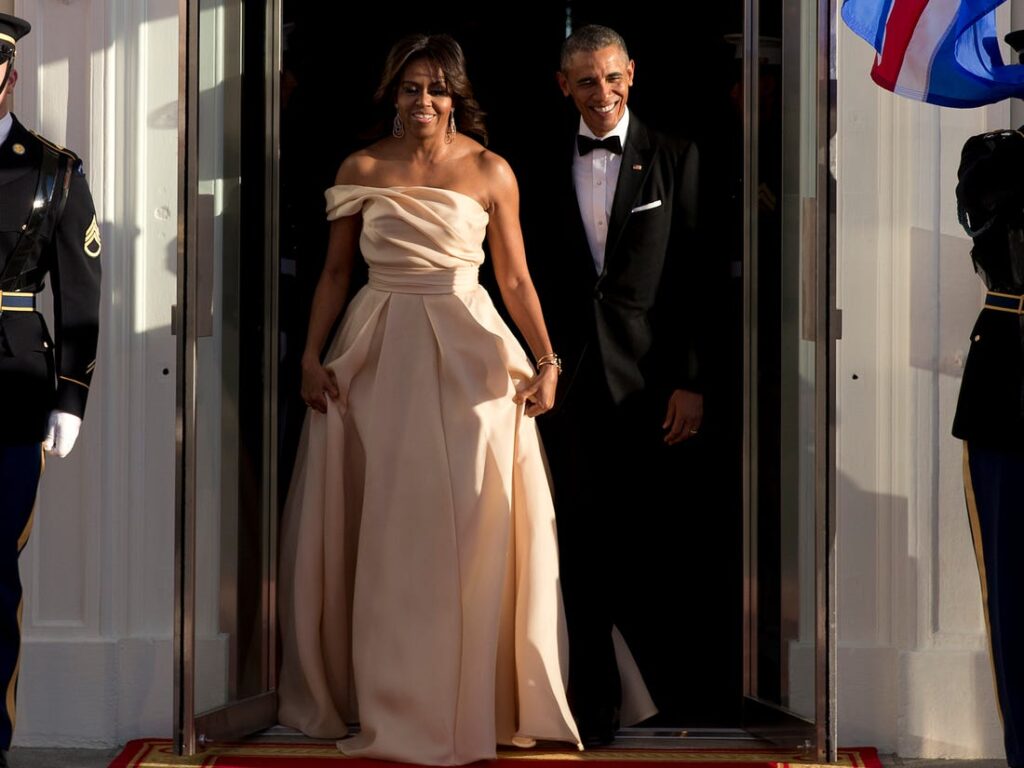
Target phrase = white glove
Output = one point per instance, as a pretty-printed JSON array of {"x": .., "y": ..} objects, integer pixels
[{"x": 61, "y": 433}]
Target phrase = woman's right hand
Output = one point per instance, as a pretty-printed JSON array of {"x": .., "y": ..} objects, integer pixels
[{"x": 318, "y": 383}]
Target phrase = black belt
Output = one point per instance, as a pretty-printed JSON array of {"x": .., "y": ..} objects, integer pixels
[
  {"x": 17, "y": 301},
  {"x": 1005, "y": 302}
]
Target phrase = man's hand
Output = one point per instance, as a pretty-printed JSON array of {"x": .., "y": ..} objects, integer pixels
[
  {"x": 683, "y": 416},
  {"x": 61, "y": 433}
]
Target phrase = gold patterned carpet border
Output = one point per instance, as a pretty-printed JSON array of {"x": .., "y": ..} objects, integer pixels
[{"x": 158, "y": 753}]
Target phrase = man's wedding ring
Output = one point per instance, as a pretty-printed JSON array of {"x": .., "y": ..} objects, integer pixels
[{"x": 693, "y": 431}]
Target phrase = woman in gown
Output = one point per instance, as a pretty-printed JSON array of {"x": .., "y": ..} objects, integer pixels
[{"x": 419, "y": 591}]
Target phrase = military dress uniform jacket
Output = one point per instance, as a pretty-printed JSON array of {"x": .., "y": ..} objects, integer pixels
[
  {"x": 40, "y": 372},
  {"x": 990, "y": 195}
]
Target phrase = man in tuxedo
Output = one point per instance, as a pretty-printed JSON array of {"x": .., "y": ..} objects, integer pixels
[
  {"x": 47, "y": 227},
  {"x": 615, "y": 262}
]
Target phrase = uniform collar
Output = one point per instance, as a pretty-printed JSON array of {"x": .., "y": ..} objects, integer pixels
[{"x": 6, "y": 123}]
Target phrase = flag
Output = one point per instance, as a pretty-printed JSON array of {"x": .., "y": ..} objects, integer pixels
[{"x": 941, "y": 51}]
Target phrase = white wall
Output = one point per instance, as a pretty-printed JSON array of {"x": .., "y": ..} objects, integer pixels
[
  {"x": 100, "y": 76},
  {"x": 914, "y": 672}
]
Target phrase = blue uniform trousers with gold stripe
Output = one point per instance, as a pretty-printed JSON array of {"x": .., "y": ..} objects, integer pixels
[
  {"x": 994, "y": 486},
  {"x": 20, "y": 467}
]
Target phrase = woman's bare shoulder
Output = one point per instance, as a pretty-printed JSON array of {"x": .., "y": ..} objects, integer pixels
[
  {"x": 496, "y": 171},
  {"x": 362, "y": 166}
]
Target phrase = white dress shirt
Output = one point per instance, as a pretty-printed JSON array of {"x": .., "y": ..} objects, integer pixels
[
  {"x": 595, "y": 176},
  {"x": 6, "y": 122}
]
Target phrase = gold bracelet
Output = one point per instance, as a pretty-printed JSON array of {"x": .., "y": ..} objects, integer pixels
[{"x": 550, "y": 359}]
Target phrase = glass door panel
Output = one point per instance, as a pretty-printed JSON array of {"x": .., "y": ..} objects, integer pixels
[
  {"x": 789, "y": 355},
  {"x": 224, "y": 320}
]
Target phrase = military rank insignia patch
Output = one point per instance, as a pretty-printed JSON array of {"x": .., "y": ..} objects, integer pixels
[{"x": 92, "y": 243}]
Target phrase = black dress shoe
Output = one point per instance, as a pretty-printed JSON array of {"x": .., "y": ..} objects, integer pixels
[
  {"x": 590, "y": 738},
  {"x": 598, "y": 728}
]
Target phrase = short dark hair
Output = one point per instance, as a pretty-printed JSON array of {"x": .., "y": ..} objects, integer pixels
[
  {"x": 445, "y": 53},
  {"x": 592, "y": 37}
]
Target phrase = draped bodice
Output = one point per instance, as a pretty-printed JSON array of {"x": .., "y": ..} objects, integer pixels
[{"x": 415, "y": 239}]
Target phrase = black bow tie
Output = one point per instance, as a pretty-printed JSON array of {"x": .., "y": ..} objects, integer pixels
[{"x": 585, "y": 144}]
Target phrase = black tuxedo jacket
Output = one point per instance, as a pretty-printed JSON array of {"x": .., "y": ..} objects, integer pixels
[
  {"x": 641, "y": 313},
  {"x": 39, "y": 373}
]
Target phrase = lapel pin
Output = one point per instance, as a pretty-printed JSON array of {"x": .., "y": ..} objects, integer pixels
[
  {"x": 18, "y": 149},
  {"x": 638, "y": 167}
]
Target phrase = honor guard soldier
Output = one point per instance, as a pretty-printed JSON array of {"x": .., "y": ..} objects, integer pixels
[
  {"x": 990, "y": 412},
  {"x": 48, "y": 228}
]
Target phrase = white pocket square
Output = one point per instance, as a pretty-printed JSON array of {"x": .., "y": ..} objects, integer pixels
[{"x": 646, "y": 207}]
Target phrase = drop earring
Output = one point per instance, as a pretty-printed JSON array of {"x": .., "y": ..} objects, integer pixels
[
  {"x": 397, "y": 129},
  {"x": 451, "y": 130}
]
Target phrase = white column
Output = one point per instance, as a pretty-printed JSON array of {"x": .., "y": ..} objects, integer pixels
[
  {"x": 914, "y": 675},
  {"x": 101, "y": 77}
]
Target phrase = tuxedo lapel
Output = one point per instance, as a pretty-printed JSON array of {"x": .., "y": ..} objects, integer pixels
[{"x": 636, "y": 164}]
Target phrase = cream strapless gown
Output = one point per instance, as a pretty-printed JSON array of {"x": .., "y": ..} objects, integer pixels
[{"x": 419, "y": 590}]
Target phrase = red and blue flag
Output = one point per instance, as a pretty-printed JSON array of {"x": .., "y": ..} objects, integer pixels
[{"x": 944, "y": 52}]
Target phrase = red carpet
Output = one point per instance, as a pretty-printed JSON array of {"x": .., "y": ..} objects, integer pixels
[{"x": 157, "y": 753}]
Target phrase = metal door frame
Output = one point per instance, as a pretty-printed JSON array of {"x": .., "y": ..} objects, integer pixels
[
  {"x": 761, "y": 718},
  {"x": 193, "y": 731}
]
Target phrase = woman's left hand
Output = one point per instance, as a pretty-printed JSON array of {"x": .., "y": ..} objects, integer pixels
[{"x": 539, "y": 393}]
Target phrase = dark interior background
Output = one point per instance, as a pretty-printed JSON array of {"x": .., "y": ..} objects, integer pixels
[{"x": 685, "y": 84}]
